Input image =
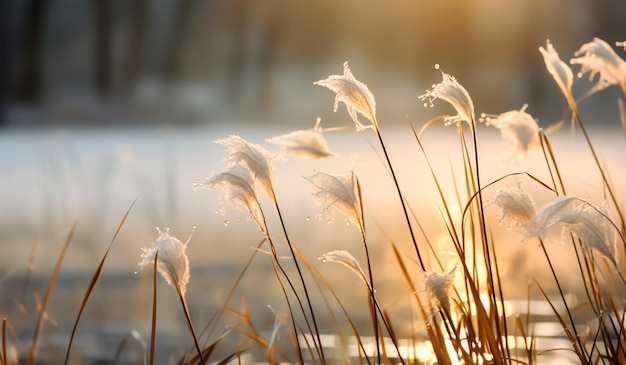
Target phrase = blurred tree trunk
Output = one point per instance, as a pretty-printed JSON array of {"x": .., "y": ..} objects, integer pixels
[
  {"x": 29, "y": 85},
  {"x": 5, "y": 52},
  {"x": 102, "y": 47},
  {"x": 135, "y": 44},
  {"x": 236, "y": 62},
  {"x": 175, "y": 46}
]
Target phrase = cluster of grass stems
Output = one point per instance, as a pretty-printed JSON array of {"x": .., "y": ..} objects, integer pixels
[{"x": 465, "y": 323}]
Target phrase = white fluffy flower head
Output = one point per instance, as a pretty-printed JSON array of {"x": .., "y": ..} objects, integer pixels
[
  {"x": 454, "y": 93},
  {"x": 438, "y": 287},
  {"x": 598, "y": 58},
  {"x": 346, "y": 259},
  {"x": 339, "y": 194},
  {"x": 308, "y": 143},
  {"x": 559, "y": 70},
  {"x": 354, "y": 94},
  {"x": 516, "y": 205},
  {"x": 518, "y": 127},
  {"x": 256, "y": 159},
  {"x": 238, "y": 192},
  {"x": 172, "y": 261}
]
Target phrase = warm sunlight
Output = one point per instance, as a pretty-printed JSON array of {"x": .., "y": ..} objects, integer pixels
[{"x": 346, "y": 182}]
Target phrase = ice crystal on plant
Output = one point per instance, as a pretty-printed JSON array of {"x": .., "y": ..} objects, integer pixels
[
  {"x": 238, "y": 192},
  {"x": 256, "y": 159},
  {"x": 338, "y": 194},
  {"x": 454, "y": 93},
  {"x": 172, "y": 261},
  {"x": 590, "y": 224},
  {"x": 438, "y": 287},
  {"x": 518, "y": 127},
  {"x": 559, "y": 70},
  {"x": 598, "y": 58},
  {"x": 354, "y": 94},
  {"x": 346, "y": 259},
  {"x": 516, "y": 205},
  {"x": 308, "y": 143}
]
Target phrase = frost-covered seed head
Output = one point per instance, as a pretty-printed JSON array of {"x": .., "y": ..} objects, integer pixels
[
  {"x": 308, "y": 143},
  {"x": 253, "y": 157},
  {"x": 354, "y": 94},
  {"x": 598, "y": 58},
  {"x": 559, "y": 70},
  {"x": 238, "y": 192},
  {"x": 172, "y": 261},
  {"x": 346, "y": 259},
  {"x": 518, "y": 127},
  {"x": 338, "y": 194},
  {"x": 454, "y": 93},
  {"x": 438, "y": 287},
  {"x": 516, "y": 205},
  {"x": 590, "y": 224}
]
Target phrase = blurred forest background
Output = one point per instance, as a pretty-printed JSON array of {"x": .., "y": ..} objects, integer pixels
[{"x": 134, "y": 62}]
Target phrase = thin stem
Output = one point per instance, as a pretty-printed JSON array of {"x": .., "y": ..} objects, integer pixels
[
  {"x": 569, "y": 314},
  {"x": 373, "y": 297},
  {"x": 483, "y": 231},
  {"x": 306, "y": 292},
  {"x": 190, "y": 326},
  {"x": 404, "y": 209},
  {"x": 597, "y": 161},
  {"x": 154, "y": 309}
]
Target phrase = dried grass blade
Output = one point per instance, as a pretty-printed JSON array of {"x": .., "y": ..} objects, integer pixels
[
  {"x": 92, "y": 283},
  {"x": 46, "y": 299}
]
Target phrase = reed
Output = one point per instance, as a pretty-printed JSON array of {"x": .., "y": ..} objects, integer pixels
[{"x": 460, "y": 308}]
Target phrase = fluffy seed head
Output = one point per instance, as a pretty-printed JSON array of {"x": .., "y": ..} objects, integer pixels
[
  {"x": 438, "y": 287},
  {"x": 518, "y": 127},
  {"x": 592, "y": 225},
  {"x": 517, "y": 206},
  {"x": 238, "y": 192},
  {"x": 454, "y": 93},
  {"x": 598, "y": 58},
  {"x": 354, "y": 94},
  {"x": 308, "y": 143},
  {"x": 172, "y": 262},
  {"x": 559, "y": 70},
  {"x": 256, "y": 159},
  {"x": 346, "y": 259},
  {"x": 338, "y": 194}
]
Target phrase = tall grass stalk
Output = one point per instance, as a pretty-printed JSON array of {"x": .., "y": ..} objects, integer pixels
[{"x": 463, "y": 320}]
